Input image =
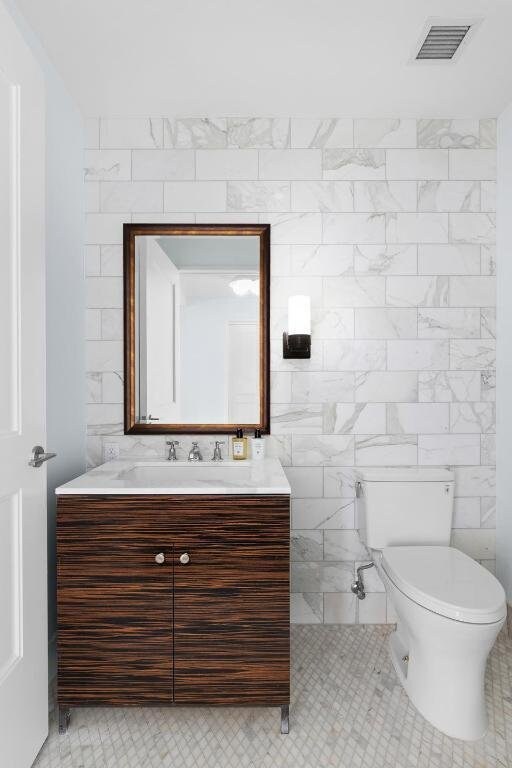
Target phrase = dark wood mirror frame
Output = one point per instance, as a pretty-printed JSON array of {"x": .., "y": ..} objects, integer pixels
[{"x": 130, "y": 232}]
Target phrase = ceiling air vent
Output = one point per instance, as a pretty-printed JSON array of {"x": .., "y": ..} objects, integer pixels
[{"x": 442, "y": 42}]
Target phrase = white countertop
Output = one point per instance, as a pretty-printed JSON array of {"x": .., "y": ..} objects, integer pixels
[{"x": 139, "y": 476}]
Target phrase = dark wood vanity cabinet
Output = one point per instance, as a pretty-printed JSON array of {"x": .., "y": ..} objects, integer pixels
[{"x": 173, "y": 600}]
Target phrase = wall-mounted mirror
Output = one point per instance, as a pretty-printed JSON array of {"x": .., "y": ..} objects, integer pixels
[{"x": 196, "y": 308}]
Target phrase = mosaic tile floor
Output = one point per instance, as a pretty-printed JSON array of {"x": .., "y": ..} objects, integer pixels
[{"x": 348, "y": 710}]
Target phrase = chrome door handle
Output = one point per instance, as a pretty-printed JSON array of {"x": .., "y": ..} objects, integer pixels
[{"x": 39, "y": 456}]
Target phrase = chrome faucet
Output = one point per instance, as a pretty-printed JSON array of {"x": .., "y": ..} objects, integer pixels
[
  {"x": 172, "y": 449},
  {"x": 195, "y": 454},
  {"x": 217, "y": 455}
]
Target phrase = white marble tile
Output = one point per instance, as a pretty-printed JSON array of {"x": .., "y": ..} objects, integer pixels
[
  {"x": 335, "y": 323},
  {"x": 488, "y": 259},
  {"x": 372, "y": 610},
  {"x": 322, "y": 387},
  {"x": 421, "y": 164},
  {"x": 417, "y": 227},
  {"x": 103, "y": 292},
  {"x": 339, "y": 482},
  {"x": 175, "y": 218},
  {"x": 306, "y": 546},
  {"x": 321, "y": 577},
  {"x": 279, "y": 447},
  {"x": 280, "y": 386},
  {"x": 479, "y": 544},
  {"x": 326, "y": 514},
  {"x": 448, "y": 386},
  {"x": 385, "y": 323},
  {"x": 488, "y": 195},
  {"x": 449, "y": 196},
  {"x": 306, "y": 608},
  {"x": 92, "y": 324},
  {"x": 382, "y": 196},
  {"x": 93, "y": 387},
  {"x": 92, "y": 260},
  {"x": 93, "y": 451},
  {"x": 112, "y": 260},
  {"x": 194, "y": 196},
  {"x": 128, "y": 196},
  {"x": 112, "y": 324},
  {"x": 299, "y": 419},
  {"x": 488, "y": 323},
  {"x": 354, "y": 418},
  {"x": 104, "y": 419},
  {"x": 479, "y": 164},
  {"x": 386, "y": 133},
  {"x": 355, "y": 355},
  {"x": 473, "y": 228},
  {"x": 280, "y": 164},
  {"x": 418, "y": 355},
  {"x": 364, "y": 291},
  {"x": 472, "y": 355},
  {"x": 339, "y": 608},
  {"x": 92, "y": 196},
  {"x": 162, "y": 165},
  {"x": 107, "y": 165},
  {"x": 322, "y": 450},
  {"x": 227, "y": 218},
  {"x": 354, "y": 164},
  {"x": 322, "y": 196},
  {"x": 448, "y": 323},
  {"x": 488, "y": 385},
  {"x": 305, "y": 482},
  {"x": 385, "y": 450},
  {"x": 280, "y": 262},
  {"x": 420, "y": 418},
  {"x": 488, "y": 449},
  {"x": 353, "y": 228},
  {"x": 488, "y": 133},
  {"x": 223, "y": 164},
  {"x": 92, "y": 133},
  {"x": 294, "y": 228},
  {"x": 259, "y": 132},
  {"x": 284, "y": 287},
  {"x": 475, "y": 481},
  {"x": 466, "y": 512},
  {"x": 272, "y": 196},
  {"x": 449, "y": 133},
  {"x": 448, "y": 449},
  {"x": 472, "y": 291},
  {"x": 421, "y": 291},
  {"x": 344, "y": 545},
  {"x": 195, "y": 132},
  {"x": 472, "y": 417},
  {"x": 386, "y": 386},
  {"x": 324, "y": 260},
  {"x": 112, "y": 387},
  {"x": 104, "y": 356},
  {"x": 488, "y": 513},
  {"x": 449, "y": 259},
  {"x": 105, "y": 228},
  {"x": 385, "y": 259},
  {"x": 330, "y": 132},
  {"x": 131, "y": 133}
]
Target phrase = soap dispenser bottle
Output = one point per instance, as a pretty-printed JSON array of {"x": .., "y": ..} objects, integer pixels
[
  {"x": 257, "y": 445},
  {"x": 239, "y": 444}
]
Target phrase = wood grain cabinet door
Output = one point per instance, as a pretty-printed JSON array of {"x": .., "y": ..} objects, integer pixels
[
  {"x": 231, "y": 604},
  {"x": 115, "y": 603}
]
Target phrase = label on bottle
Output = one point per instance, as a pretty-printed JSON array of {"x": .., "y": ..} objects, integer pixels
[{"x": 238, "y": 448}]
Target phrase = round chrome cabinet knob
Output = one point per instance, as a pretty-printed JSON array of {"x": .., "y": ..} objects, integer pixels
[
  {"x": 160, "y": 558},
  {"x": 184, "y": 558}
]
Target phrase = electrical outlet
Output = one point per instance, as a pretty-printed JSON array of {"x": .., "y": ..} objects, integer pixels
[{"x": 110, "y": 451}]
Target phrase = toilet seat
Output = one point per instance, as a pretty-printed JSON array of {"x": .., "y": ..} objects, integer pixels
[{"x": 446, "y": 581}]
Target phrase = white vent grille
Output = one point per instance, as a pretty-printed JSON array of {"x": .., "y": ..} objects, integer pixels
[{"x": 442, "y": 42}]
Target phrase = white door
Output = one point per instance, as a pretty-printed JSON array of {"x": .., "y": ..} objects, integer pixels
[
  {"x": 243, "y": 373},
  {"x": 23, "y": 604}
]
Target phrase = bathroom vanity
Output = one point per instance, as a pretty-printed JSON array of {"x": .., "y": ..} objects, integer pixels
[{"x": 173, "y": 586}]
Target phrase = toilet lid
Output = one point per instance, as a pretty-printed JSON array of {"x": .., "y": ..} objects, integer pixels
[{"x": 446, "y": 581}]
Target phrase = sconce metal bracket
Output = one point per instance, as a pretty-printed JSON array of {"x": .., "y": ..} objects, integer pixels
[{"x": 296, "y": 346}]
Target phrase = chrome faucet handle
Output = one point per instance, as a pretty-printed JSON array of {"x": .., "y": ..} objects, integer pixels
[
  {"x": 217, "y": 454},
  {"x": 172, "y": 449},
  {"x": 195, "y": 454}
]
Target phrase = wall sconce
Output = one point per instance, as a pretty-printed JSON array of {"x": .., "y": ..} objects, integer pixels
[{"x": 297, "y": 342}]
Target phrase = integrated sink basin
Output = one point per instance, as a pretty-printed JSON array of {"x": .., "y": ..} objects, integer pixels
[{"x": 181, "y": 477}]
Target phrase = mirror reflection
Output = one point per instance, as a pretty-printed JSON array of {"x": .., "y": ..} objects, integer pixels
[{"x": 197, "y": 321}]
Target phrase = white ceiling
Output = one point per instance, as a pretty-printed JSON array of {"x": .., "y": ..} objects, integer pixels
[{"x": 273, "y": 57}]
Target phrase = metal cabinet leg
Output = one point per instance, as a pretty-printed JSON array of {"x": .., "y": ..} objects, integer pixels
[
  {"x": 64, "y": 718},
  {"x": 285, "y": 718}
]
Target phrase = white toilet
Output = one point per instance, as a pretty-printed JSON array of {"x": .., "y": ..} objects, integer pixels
[{"x": 449, "y": 608}]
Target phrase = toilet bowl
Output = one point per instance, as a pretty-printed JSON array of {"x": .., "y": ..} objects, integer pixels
[
  {"x": 449, "y": 612},
  {"x": 449, "y": 608}
]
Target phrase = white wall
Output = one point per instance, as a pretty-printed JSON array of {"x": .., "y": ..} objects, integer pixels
[
  {"x": 65, "y": 297},
  {"x": 504, "y": 355}
]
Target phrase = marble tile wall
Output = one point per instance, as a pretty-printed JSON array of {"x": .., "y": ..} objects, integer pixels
[{"x": 389, "y": 226}]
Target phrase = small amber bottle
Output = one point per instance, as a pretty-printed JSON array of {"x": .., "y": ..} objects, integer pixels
[{"x": 239, "y": 444}]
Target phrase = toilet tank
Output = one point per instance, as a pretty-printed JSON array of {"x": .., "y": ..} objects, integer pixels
[{"x": 404, "y": 506}]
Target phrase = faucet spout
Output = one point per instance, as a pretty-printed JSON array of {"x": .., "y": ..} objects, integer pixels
[{"x": 195, "y": 454}]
